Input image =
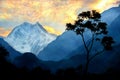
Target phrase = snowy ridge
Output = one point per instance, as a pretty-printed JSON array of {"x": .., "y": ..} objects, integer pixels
[{"x": 29, "y": 38}]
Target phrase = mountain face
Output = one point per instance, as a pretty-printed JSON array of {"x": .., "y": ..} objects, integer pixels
[
  {"x": 12, "y": 53},
  {"x": 112, "y": 18},
  {"x": 110, "y": 15},
  {"x": 61, "y": 48},
  {"x": 70, "y": 44},
  {"x": 114, "y": 30},
  {"x": 29, "y": 38}
]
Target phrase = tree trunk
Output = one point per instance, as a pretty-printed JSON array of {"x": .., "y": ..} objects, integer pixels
[
  {"x": 87, "y": 55},
  {"x": 86, "y": 66}
]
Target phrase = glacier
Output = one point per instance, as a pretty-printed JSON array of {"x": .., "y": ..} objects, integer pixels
[{"x": 29, "y": 37}]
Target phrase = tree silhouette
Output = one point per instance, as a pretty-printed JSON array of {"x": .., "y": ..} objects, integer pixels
[{"x": 90, "y": 21}]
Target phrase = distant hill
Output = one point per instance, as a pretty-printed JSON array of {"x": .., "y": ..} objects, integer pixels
[{"x": 12, "y": 52}]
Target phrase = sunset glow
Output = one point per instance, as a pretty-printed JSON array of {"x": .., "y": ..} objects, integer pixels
[
  {"x": 53, "y": 13},
  {"x": 4, "y": 32},
  {"x": 101, "y": 5},
  {"x": 52, "y": 30}
]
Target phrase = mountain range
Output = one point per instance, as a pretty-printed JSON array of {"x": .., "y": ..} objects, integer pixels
[{"x": 61, "y": 51}]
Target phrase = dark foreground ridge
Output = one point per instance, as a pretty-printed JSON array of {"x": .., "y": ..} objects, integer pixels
[{"x": 8, "y": 71}]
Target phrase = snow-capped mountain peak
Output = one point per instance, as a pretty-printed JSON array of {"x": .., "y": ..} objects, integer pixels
[{"x": 29, "y": 38}]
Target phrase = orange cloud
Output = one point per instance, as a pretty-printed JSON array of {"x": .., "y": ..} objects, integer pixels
[
  {"x": 52, "y": 30},
  {"x": 41, "y": 10},
  {"x": 49, "y": 12},
  {"x": 5, "y": 16},
  {"x": 102, "y": 5},
  {"x": 4, "y": 32}
]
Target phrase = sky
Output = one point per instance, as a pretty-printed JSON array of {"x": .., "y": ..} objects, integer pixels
[{"x": 52, "y": 14}]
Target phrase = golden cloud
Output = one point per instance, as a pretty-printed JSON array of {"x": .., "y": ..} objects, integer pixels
[
  {"x": 5, "y": 16},
  {"x": 4, "y": 32},
  {"x": 49, "y": 11},
  {"x": 61, "y": 10},
  {"x": 52, "y": 30},
  {"x": 102, "y": 5}
]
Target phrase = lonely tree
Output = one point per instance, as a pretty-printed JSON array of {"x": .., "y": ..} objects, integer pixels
[{"x": 90, "y": 21}]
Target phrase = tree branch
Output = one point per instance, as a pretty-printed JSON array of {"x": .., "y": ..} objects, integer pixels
[
  {"x": 87, "y": 57},
  {"x": 84, "y": 43},
  {"x": 96, "y": 54},
  {"x": 92, "y": 42},
  {"x": 88, "y": 43}
]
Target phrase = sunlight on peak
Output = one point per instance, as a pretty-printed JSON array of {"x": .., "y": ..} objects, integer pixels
[
  {"x": 52, "y": 30},
  {"x": 4, "y": 32}
]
